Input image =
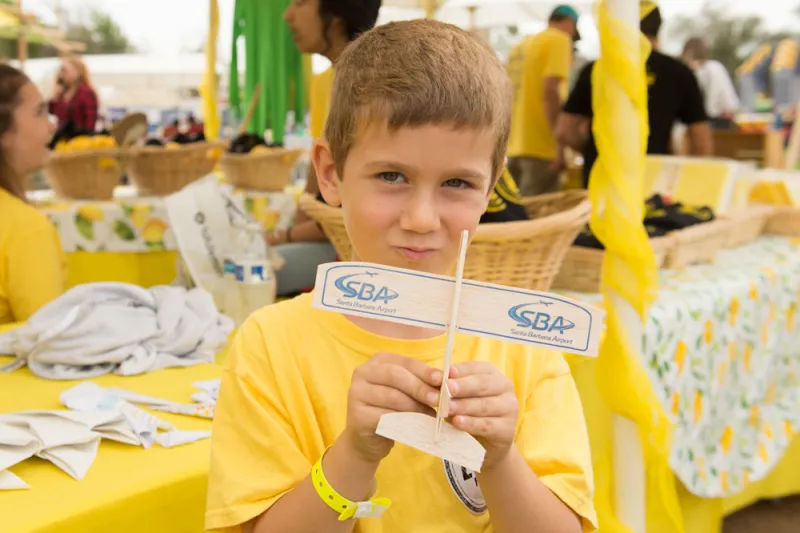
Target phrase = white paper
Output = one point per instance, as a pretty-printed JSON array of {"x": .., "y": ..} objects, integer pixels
[
  {"x": 198, "y": 410},
  {"x": 493, "y": 311},
  {"x": 175, "y": 438}
]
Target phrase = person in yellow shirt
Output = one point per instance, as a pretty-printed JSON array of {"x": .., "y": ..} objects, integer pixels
[
  {"x": 413, "y": 146},
  {"x": 539, "y": 67},
  {"x": 32, "y": 262}
]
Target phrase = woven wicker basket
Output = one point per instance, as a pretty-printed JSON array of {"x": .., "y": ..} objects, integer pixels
[
  {"x": 528, "y": 254},
  {"x": 85, "y": 175},
  {"x": 525, "y": 254},
  {"x": 697, "y": 244},
  {"x": 159, "y": 171},
  {"x": 261, "y": 171},
  {"x": 785, "y": 221},
  {"x": 332, "y": 222},
  {"x": 747, "y": 225},
  {"x": 582, "y": 268}
]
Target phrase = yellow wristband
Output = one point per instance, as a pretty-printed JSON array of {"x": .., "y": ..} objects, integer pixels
[{"x": 347, "y": 509}]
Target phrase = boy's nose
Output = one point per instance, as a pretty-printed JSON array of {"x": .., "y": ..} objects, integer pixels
[{"x": 420, "y": 214}]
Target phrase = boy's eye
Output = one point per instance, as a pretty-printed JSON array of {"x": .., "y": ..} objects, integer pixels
[
  {"x": 391, "y": 177},
  {"x": 457, "y": 183}
]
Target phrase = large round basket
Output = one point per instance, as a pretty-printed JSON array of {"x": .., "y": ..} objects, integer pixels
[
  {"x": 525, "y": 254},
  {"x": 528, "y": 254},
  {"x": 260, "y": 171},
  {"x": 85, "y": 175},
  {"x": 160, "y": 171},
  {"x": 332, "y": 222}
]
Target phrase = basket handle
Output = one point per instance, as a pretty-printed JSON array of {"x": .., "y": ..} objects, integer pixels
[{"x": 251, "y": 109}]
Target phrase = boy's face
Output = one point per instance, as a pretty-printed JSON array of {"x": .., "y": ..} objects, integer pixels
[{"x": 408, "y": 195}]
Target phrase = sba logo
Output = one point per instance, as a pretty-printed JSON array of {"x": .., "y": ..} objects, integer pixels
[
  {"x": 361, "y": 290},
  {"x": 538, "y": 320}
]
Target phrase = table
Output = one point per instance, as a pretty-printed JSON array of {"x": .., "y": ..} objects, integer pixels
[
  {"x": 699, "y": 515},
  {"x": 722, "y": 354},
  {"x": 128, "y": 489},
  {"x": 129, "y": 239}
]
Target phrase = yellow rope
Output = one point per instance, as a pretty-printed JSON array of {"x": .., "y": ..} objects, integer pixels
[{"x": 629, "y": 271}]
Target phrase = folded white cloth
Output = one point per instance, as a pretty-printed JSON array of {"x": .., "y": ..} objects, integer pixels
[
  {"x": 69, "y": 444},
  {"x": 98, "y": 328}
]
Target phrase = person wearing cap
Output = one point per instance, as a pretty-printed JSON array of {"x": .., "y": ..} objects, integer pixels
[
  {"x": 673, "y": 96},
  {"x": 539, "y": 67}
]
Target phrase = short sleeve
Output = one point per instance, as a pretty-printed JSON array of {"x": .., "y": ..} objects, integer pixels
[
  {"x": 558, "y": 57},
  {"x": 255, "y": 459},
  {"x": 580, "y": 99},
  {"x": 36, "y": 267},
  {"x": 554, "y": 440},
  {"x": 692, "y": 107},
  {"x": 321, "y": 86}
]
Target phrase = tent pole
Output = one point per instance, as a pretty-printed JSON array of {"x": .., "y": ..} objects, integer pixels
[
  {"x": 430, "y": 8},
  {"x": 22, "y": 36},
  {"x": 628, "y": 455}
]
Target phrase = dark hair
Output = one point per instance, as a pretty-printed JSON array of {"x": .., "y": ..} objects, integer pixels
[
  {"x": 558, "y": 18},
  {"x": 696, "y": 49},
  {"x": 358, "y": 16},
  {"x": 651, "y": 24},
  {"x": 11, "y": 81}
]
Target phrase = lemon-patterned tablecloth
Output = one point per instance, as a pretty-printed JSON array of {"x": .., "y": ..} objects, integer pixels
[
  {"x": 722, "y": 349},
  {"x": 141, "y": 224}
]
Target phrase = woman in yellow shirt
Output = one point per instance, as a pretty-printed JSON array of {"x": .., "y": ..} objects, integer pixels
[{"x": 32, "y": 262}]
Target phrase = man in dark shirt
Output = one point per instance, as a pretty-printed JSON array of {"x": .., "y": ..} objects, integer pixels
[{"x": 673, "y": 95}]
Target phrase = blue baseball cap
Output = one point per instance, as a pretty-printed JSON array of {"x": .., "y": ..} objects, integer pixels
[{"x": 566, "y": 10}]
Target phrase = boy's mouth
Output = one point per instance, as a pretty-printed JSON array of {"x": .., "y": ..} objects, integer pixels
[{"x": 415, "y": 254}]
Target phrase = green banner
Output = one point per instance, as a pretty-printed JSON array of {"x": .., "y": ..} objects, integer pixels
[{"x": 272, "y": 60}]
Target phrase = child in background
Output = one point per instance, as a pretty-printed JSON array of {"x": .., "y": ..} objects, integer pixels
[{"x": 414, "y": 143}]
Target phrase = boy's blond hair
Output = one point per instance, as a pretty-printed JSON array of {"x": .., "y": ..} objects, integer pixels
[{"x": 415, "y": 73}]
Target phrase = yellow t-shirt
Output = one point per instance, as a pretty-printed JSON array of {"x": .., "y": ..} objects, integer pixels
[
  {"x": 33, "y": 267},
  {"x": 545, "y": 55},
  {"x": 320, "y": 101},
  {"x": 283, "y": 401}
]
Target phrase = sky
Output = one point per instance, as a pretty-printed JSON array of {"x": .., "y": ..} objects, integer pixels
[{"x": 176, "y": 26}]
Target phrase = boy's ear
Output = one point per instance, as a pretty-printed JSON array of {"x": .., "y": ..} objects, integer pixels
[{"x": 327, "y": 177}]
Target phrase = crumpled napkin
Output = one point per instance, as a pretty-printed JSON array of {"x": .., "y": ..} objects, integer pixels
[{"x": 68, "y": 444}]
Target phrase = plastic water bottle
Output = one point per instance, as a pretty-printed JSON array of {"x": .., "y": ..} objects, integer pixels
[{"x": 255, "y": 284}]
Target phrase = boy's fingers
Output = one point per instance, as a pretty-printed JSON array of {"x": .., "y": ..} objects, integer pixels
[
  {"x": 390, "y": 399},
  {"x": 479, "y": 386},
  {"x": 400, "y": 378},
  {"x": 482, "y": 407},
  {"x": 481, "y": 427},
  {"x": 428, "y": 374},
  {"x": 469, "y": 368}
]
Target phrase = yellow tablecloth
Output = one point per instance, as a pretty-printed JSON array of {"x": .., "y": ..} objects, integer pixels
[
  {"x": 128, "y": 489},
  {"x": 145, "y": 269}
]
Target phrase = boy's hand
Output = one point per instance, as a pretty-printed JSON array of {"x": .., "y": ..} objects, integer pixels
[
  {"x": 387, "y": 383},
  {"x": 485, "y": 406}
]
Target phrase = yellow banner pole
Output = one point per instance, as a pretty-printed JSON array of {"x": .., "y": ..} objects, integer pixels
[
  {"x": 629, "y": 281},
  {"x": 209, "y": 88},
  {"x": 430, "y": 8}
]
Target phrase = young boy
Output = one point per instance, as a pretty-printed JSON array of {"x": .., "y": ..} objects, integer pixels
[{"x": 415, "y": 139}]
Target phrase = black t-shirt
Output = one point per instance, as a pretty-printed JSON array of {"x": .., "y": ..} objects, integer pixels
[
  {"x": 673, "y": 95},
  {"x": 505, "y": 205}
]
